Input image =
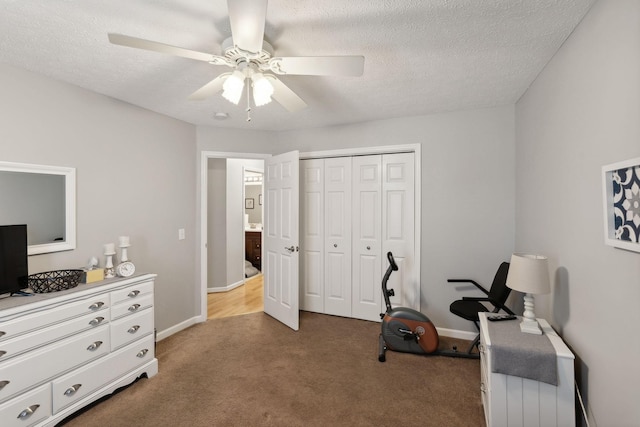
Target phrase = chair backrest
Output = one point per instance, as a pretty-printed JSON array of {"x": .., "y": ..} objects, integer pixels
[{"x": 499, "y": 291}]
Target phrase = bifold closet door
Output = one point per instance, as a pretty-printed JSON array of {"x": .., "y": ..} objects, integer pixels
[
  {"x": 367, "y": 230},
  {"x": 398, "y": 226},
  {"x": 337, "y": 236},
  {"x": 312, "y": 235}
]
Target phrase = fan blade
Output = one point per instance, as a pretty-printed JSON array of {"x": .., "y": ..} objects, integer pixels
[
  {"x": 122, "y": 40},
  {"x": 319, "y": 65},
  {"x": 210, "y": 89},
  {"x": 247, "y": 18},
  {"x": 285, "y": 96}
]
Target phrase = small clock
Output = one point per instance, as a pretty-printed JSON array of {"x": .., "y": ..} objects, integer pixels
[{"x": 125, "y": 269}]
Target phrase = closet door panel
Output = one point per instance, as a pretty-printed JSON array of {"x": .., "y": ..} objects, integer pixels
[
  {"x": 398, "y": 226},
  {"x": 367, "y": 228},
  {"x": 312, "y": 235},
  {"x": 337, "y": 239}
]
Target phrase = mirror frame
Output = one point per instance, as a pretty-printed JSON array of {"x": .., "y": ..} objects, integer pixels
[{"x": 70, "y": 203}]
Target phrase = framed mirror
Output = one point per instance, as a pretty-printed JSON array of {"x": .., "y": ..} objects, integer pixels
[{"x": 44, "y": 198}]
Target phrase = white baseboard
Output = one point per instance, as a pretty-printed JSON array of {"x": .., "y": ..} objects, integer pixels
[
  {"x": 177, "y": 328},
  {"x": 225, "y": 288},
  {"x": 455, "y": 333}
]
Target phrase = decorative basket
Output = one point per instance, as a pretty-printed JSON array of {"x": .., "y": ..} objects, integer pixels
[{"x": 53, "y": 281}]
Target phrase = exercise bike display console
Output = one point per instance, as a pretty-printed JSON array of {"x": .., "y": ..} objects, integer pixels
[{"x": 407, "y": 330}]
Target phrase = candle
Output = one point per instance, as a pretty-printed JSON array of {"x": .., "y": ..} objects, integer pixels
[
  {"x": 109, "y": 248},
  {"x": 124, "y": 241}
]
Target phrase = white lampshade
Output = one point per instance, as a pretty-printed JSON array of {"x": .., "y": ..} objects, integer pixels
[
  {"x": 262, "y": 89},
  {"x": 233, "y": 87},
  {"x": 529, "y": 274}
]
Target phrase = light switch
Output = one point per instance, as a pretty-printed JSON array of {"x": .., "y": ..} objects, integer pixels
[{"x": 181, "y": 235}]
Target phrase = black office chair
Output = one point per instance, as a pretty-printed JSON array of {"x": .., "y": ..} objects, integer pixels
[{"x": 469, "y": 307}]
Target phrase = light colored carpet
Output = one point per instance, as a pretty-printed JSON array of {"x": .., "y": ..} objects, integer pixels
[{"x": 251, "y": 370}]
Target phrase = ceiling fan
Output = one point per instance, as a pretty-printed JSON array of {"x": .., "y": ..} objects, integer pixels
[{"x": 252, "y": 60}]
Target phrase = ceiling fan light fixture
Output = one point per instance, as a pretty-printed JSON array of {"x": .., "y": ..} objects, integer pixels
[
  {"x": 233, "y": 87},
  {"x": 262, "y": 89}
]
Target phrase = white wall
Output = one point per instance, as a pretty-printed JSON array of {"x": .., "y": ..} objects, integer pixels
[
  {"x": 136, "y": 175},
  {"x": 468, "y": 190},
  {"x": 217, "y": 224},
  {"x": 581, "y": 113}
]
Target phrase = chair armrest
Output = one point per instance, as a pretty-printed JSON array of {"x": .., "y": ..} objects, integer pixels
[{"x": 473, "y": 282}]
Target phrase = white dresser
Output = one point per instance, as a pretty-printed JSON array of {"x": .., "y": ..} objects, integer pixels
[
  {"x": 511, "y": 401},
  {"x": 61, "y": 351}
]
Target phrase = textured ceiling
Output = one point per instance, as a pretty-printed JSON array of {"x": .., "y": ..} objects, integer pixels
[{"x": 421, "y": 56}]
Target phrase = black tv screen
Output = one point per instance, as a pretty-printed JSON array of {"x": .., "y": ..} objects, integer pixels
[{"x": 13, "y": 258}]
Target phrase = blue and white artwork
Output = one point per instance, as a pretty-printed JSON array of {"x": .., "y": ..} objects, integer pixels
[{"x": 626, "y": 204}]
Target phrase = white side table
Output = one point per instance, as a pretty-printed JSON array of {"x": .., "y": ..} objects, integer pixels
[{"x": 514, "y": 401}]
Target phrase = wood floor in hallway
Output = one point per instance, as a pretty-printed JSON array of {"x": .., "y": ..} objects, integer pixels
[{"x": 244, "y": 299}]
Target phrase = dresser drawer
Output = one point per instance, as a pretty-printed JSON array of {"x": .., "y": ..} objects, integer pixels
[
  {"x": 46, "y": 362},
  {"x": 132, "y": 293},
  {"x": 82, "y": 382},
  {"x": 27, "y": 409},
  {"x": 135, "y": 305},
  {"x": 131, "y": 328},
  {"x": 23, "y": 324},
  {"x": 44, "y": 336}
]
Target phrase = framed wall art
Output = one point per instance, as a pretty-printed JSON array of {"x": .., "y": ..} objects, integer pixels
[
  {"x": 248, "y": 203},
  {"x": 621, "y": 198}
]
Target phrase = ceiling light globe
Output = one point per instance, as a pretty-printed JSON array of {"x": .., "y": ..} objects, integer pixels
[
  {"x": 233, "y": 87},
  {"x": 262, "y": 89}
]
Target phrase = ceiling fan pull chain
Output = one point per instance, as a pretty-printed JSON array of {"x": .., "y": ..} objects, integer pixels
[{"x": 248, "y": 102}]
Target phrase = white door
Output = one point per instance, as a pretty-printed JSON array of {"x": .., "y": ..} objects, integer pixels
[
  {"x": 312, "y": 235},
  {"x": 367, "y": 241},
  {"x": 280, "y": 263},
  {"x": 337, "y": 215},
  {"x": 398, "y": 227}
]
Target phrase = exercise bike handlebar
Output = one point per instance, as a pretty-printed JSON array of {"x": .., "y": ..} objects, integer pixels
[
  {"x": 386, "y": 293},
  {"x": 392, "y": 262}
]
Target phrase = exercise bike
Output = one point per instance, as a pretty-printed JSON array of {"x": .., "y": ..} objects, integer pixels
[{"x": 407, "y": 330}]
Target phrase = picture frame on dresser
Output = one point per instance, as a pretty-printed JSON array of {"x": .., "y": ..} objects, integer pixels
[{"x": 621, "y": 204}]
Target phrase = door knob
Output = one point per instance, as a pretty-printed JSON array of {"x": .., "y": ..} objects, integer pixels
[{"x": 290, "y": 249}]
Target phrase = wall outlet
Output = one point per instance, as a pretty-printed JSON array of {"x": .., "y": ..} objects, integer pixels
[{"x": 181, "y": 235}]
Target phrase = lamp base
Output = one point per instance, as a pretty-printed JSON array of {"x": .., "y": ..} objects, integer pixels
[{"x": 530, "y": 327}]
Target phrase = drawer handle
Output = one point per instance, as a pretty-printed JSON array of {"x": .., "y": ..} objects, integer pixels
[
  {"x": 133, "y": 329},
  {"x": 133, "y": 294},
  {"x": 28, "y": 412},
  {"x": 2, "y": 333},
  {"x": 72, "y": 390},
  {"x": 3, "y": 384},
  {"x": 94, "y": 345},
  {"x": 2, "y": 353},
  {"x": 96, "y": 321},
  {"x": 142, "y": 353},
  {"x": 96, "y": 305},
  {"x": 134, "y": 307}
]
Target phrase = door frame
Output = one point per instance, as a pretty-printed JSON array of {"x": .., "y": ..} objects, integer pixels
[
  {"x": 205, "y": 156},
  {"x": 201, "y": 293}
]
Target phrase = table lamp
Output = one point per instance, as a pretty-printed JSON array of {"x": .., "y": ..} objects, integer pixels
[{"x": 529, "y": 274}]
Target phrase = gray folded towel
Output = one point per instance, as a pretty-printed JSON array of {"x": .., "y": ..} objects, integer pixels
[{"x": 521, "y": 354}]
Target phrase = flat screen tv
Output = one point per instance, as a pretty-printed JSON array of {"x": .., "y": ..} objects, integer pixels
[{"x": 13, "y": 258}]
